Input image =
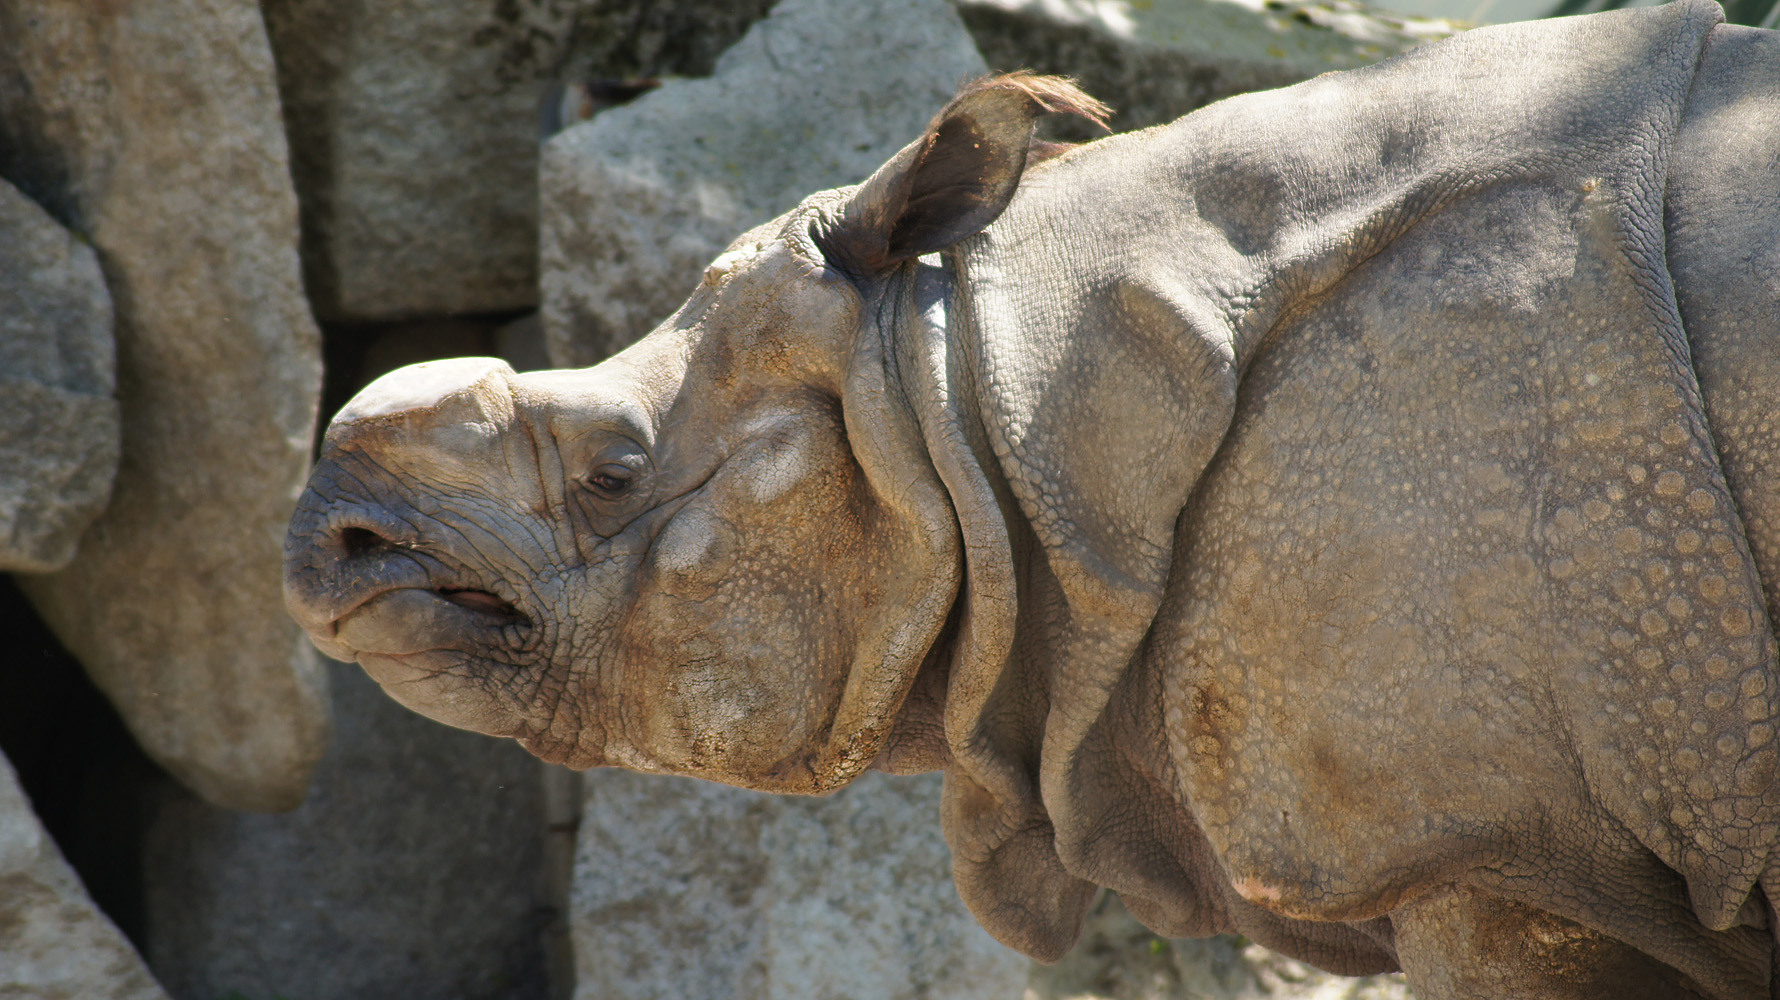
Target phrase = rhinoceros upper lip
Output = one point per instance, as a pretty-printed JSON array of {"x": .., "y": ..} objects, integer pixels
[
  {"x": 324, "y": 597},
  {"x": 486, "y": 609},
  {"x": 406, "y": 620}
]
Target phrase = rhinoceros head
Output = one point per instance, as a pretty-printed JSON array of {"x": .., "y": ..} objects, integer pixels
[{"x": 721, "y": 553}]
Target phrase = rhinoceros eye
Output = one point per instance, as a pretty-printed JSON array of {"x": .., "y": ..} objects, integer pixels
[
  {"x": 611, "y": 480},
  {"x": 615, "y": 488}
]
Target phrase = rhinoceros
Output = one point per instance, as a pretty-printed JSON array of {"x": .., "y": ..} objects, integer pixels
[{"x": 1339, "y": 516}]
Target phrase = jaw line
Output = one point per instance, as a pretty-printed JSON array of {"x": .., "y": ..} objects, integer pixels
[{"x": 415, "y": 675}]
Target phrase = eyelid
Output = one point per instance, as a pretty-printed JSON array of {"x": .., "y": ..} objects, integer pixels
[
  {"x": 616, "y": 470},
  {"x": 623, "y": 451}
]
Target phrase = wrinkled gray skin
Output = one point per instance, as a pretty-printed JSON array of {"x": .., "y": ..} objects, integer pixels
[{"x": 1338, "y": 517}]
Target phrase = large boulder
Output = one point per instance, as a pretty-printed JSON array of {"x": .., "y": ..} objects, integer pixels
[
  {"x": 414, "y": 128},
  {"x": 413, "y": 870},
  {"x": 1154, "y": 62},
  {"x": 54, "y": 944},
  {"x": 689, "y": 889},
  {"x": 639, "y": 199},
  {"x": 152, "y": 129},
  {"x": 58, "y": 412}
]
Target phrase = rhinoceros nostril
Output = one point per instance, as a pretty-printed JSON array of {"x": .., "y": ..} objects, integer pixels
[{"x": 357, "y": 541}]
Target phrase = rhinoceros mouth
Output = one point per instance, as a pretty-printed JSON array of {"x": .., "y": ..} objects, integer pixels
[
  {"x": 364, "y": 581},
  {"x": 407, "y": 620},
  {"x": 482, "y": 602}
]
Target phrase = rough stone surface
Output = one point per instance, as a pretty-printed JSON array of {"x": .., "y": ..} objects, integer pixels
[
  {"x": 415, "y": 124},
  {"x": 1120, "y": 959},
  {"x": 689, "y": 889},
  {"x": 58, "y": 415},
  {"x": 153, "y": 130},
  {"x": 54, "y": 944},
  {"x": 1154, "y": 62},
  {"x": 639, "y": 199},
  {"x": 413, "y": 870}
]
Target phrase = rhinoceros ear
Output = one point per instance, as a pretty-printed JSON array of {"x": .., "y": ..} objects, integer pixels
[{"x": 955, "y": 179}]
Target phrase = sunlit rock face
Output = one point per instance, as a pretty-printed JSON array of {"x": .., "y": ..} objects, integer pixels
[{"x": 154, "y": 131}]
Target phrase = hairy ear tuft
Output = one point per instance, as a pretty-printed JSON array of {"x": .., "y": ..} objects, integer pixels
[
  {"x": 957, "y": 177},
  {"x": 1053, "y": 94}
]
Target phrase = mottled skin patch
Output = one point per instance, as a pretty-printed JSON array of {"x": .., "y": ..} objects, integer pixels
[
  {"x": 1501, "y": 580},
  {"x": 1339, "y": 517}
]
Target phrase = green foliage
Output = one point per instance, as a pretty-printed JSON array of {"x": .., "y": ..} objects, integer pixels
[{"x": 1758, "y": 13}]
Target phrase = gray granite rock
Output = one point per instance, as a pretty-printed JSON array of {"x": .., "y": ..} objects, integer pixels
[
  {"x": 415, "y": 125},
  {"x": 58, "y": 411},
  {"x": 639, "y": 199},
  {"x": 689, "y": 889},
  {"x": 152, "y": 129},
  {"x": 1156, "y": 61},
  {"x": 54, "y": 944},
  {"x": 415, "y": 869}
]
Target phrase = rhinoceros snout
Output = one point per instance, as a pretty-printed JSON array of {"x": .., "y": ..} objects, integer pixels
[
  {"x": 333, "y": 564},
  {"x": 343, "y": 562}
]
